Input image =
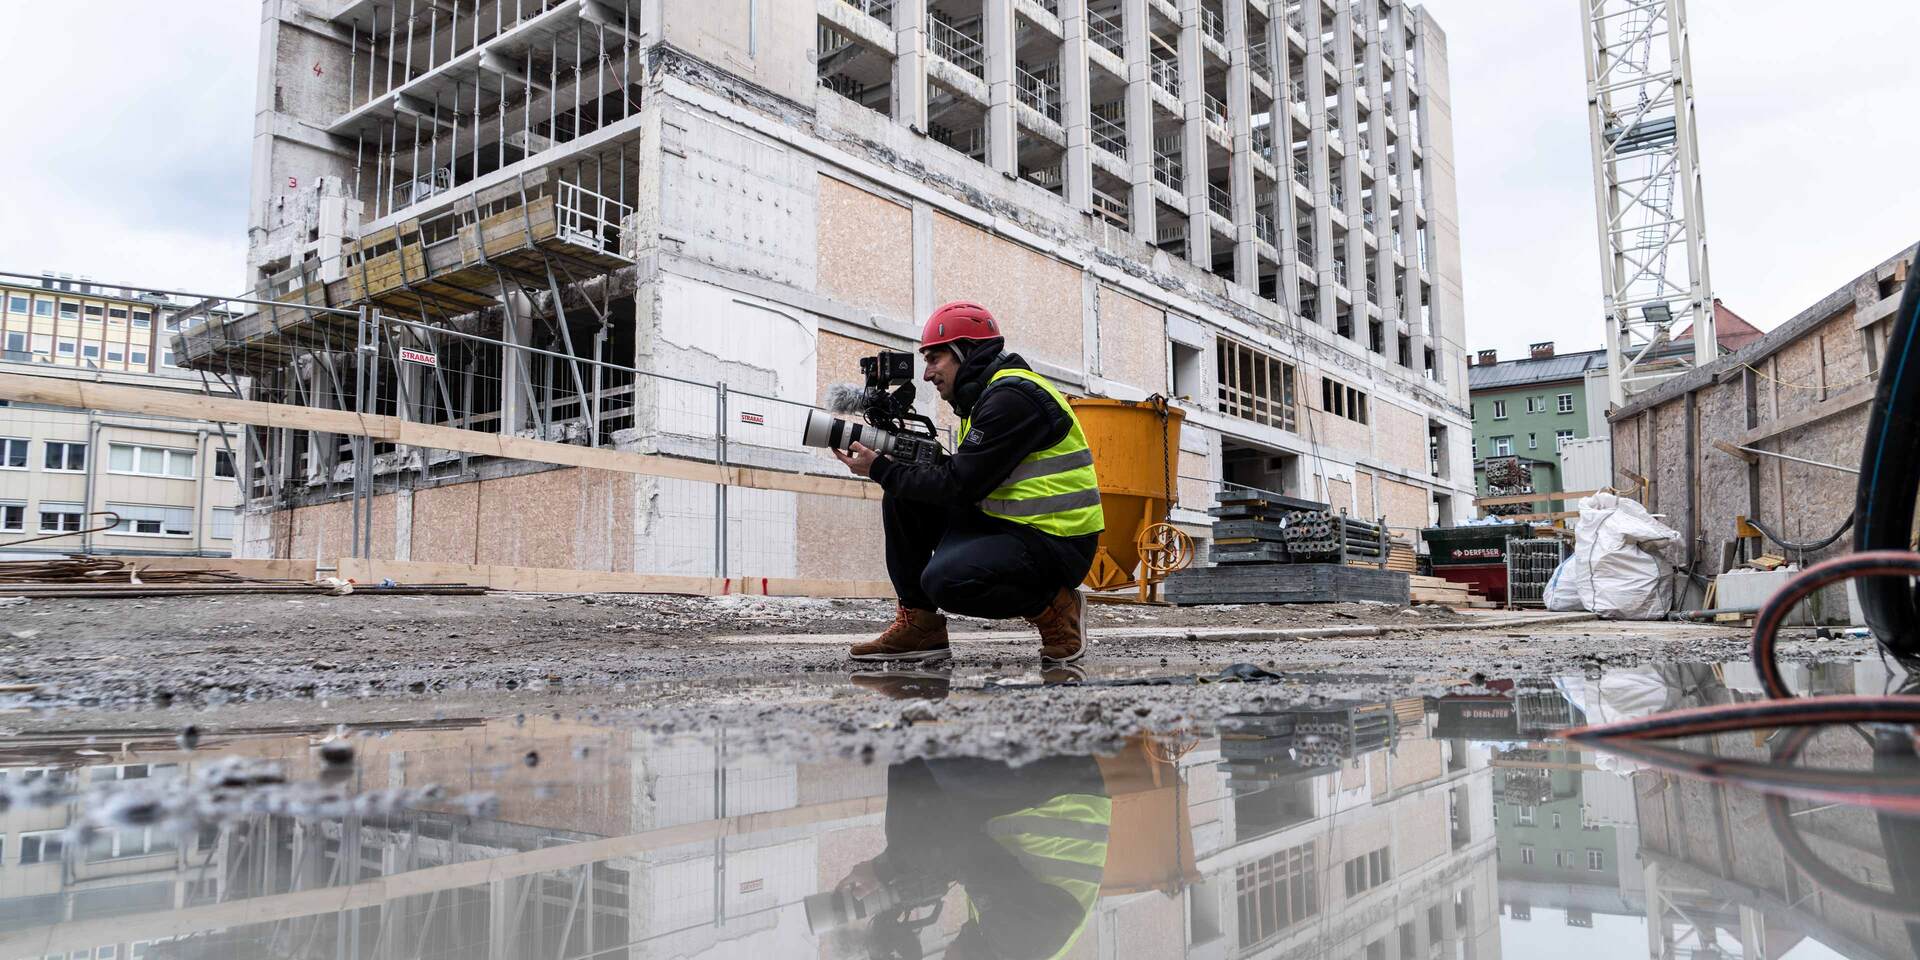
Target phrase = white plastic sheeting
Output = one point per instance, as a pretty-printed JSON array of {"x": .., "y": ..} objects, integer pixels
[{"x": 1611, "y": 572}]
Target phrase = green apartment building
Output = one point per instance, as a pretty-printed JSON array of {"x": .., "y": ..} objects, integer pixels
[{"x": 1528, "y": 408}]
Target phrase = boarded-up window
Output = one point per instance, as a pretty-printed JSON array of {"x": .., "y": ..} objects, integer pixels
[{"x": 1255, "y": 385}]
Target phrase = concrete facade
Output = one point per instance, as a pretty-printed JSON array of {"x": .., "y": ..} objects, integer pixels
[
  {"x": 806, "y": 181},
  {"x": 1802, "y": 390}
]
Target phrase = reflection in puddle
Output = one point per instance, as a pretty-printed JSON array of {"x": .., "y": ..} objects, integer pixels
[{"x": 1453, "y": 826}]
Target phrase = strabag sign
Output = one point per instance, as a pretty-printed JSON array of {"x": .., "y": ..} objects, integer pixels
[{"x": 420, "y": 357}]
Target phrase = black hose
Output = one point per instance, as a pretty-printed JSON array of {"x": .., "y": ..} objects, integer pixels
[
  {"x": 1802, "y": 546},
  {"x": 1889, "y": 478}
]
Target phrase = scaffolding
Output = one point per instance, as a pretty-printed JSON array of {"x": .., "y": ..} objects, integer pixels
[{"x": 1647, "y": 191}]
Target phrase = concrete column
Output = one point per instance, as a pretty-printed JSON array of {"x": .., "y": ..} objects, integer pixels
[
  {"x": 1139, "y": 120},
  {"x": 1316, "y": 78},
  {"x": 1193, "y": 163},
  {"x": 910, "y": 64},
  {"x": 1377, "y": 143},
  {"x": 1348, "y": 174},
  {"x": 1003, "y": 132},
  {"x": 516, "y": 390},
  {"x": 1408, "y": 227},
  {"x": 1076, "y": 104},
  {"x": 1246, "y": 257},
  {"x": 1286, "y": 229}
]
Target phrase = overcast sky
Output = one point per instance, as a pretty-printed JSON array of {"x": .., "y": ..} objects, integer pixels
[{"x": 129, "y": 159}]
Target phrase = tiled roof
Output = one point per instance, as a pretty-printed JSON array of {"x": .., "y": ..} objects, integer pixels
[{"x": 1519, "y": 373}]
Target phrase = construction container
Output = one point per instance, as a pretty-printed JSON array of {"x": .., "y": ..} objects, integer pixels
[
  {"x": 1474, "y": 555},
  {"x": 1136, "y": 454},
  {"x": 1150, "y": 844},
  {"x": 1586, "y": 464}
]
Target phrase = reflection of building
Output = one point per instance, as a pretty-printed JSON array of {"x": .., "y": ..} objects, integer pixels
[
  {"x": 1379, "y": 846},
  {"x": 1553, "y": 852},
  {"x": 1345, "y": 829},
  {"x": 1717, "y": 875}
]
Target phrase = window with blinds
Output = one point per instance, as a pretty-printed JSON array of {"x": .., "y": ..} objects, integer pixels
[
  {"x": 1255, "y": 385},
  {"x": 153, "y": 521}
]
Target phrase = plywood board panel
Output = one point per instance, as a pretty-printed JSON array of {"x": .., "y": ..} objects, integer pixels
[
  {"x": 866, "y": 249},
  {"x": 1404, "y": 504},
  {"x": 1036, "y": 298},
  {"x": 1133, "y": 341},
  {"x": 446, "y": 523},
  {"x": 839, "y": 539}
]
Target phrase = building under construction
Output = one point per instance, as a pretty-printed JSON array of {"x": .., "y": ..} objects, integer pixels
[{"x": 666, "y": 227}]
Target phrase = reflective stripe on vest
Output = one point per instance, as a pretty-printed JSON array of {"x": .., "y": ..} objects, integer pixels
[
  {"x": 1053, "y": 490},
  {"x": 1063, "y": 843}
]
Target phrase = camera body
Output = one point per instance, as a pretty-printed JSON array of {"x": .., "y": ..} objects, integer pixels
[{"x": 893, "y": 428}]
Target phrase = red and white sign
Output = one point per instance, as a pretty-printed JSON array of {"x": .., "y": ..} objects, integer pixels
[
  {"x": 753, "y": 418},
  {"x": 420, "y": 357}
]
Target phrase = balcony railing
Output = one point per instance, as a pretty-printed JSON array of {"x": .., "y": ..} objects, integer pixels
[
  {"x": 1217, "y": 111},
  {"x": 1263, "y": 228},
  {"x": 1039, "y": 90},
  {"x": 1297, "y": 19},
  {"x": 1297, "y": 89},
  {"x": 1220, "y": 200},
  {"x": 1303, "y": 170},
  {"x": 1258, "y": 60},
  {"x": 1107, "y": 31},
  {"x": 1262, "y": 142},
  {"x": 1111, "y": 209},
  {"x": 956, "y": 46},
  {"x": 1110, "y": 128},
  {"x": 1340, "y": 272},
  {"x": 1166, "y": 169},
  {"x": 1304, "y": 247},
  {"x": 881, "y": 10},
  {"x": 1337, "y": 195},
  {"x": 1213, "y": 26},
  {"x": 1166, "y": 73}
]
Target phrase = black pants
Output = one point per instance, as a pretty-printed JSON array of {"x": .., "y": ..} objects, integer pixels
[{"x": 962, "y": 561}]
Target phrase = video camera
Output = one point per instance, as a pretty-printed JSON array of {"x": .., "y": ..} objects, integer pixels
[{"x": 886, "y": 403}]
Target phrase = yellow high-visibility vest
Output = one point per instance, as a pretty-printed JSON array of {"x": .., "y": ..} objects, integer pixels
[
  {"x": 1053, "y": 490},
  {"x": 1063, "y": 843}
]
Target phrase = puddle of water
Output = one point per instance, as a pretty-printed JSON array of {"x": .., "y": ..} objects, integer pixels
[{"x": 1450, "y": 826}]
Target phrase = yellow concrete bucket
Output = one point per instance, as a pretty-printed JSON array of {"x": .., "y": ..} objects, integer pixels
[{"x": 1136, "y": 453}]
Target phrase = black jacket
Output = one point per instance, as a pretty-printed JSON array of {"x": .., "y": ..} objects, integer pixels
[{"x": 1010, "y": 421}]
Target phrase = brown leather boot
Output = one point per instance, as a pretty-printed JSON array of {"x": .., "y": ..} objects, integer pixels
[
  {"x": 1062, "y": 627},
  {"x": 914, "y": 635}
]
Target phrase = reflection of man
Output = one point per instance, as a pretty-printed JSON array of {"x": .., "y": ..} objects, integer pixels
[{"x": 1028, "y": 845}]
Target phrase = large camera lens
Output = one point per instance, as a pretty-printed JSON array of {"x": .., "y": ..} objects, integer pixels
[
  {"x": 826, "y": 430},
  {"x": 828, "y": 911}
]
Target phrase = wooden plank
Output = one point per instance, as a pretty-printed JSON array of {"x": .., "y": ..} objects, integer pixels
[
  {"x": 245, "y": 566},
  {"x": 561, "y": 580},
  {"x": 1534, "y": 517},
  {"x": 1531, "y": 498},
  {"x": 83, "y": 395},
  {"x": 1832, "y": 406},
  {"x": 128, "y": 399},
  {"x": 1735, "y": 452}
]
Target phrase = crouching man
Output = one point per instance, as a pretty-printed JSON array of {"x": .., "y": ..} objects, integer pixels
[{"x": 1005, "y": 527}]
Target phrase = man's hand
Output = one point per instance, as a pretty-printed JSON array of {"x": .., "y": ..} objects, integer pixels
[{"x": 859, "y": 459}]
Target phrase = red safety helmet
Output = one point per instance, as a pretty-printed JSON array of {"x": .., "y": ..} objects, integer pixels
[{"x": 959, "y": 320}]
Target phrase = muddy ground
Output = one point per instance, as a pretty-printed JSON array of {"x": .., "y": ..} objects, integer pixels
[{"x": 772, "y": 667}]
